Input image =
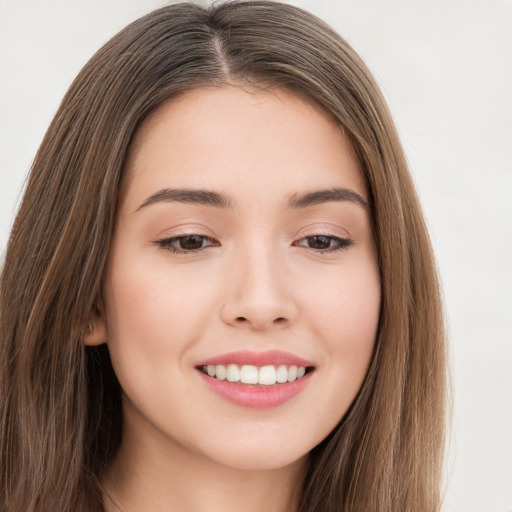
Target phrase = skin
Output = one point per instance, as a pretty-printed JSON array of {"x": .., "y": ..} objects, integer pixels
[{"x": 260, "y": 283}]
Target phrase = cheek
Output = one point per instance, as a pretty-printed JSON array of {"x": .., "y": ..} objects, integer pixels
[
  {"x": 346, "y": 311},
  {"x": 153, "y": 317},
  {"x": 347, "y": 325},
  {"x": 345, "y": 316},
  {"x": 152, "y": 311}
]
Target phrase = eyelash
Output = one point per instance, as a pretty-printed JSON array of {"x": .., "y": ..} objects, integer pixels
[{"x": 170, "y": 244}]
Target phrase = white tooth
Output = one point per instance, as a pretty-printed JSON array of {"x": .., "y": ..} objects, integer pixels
[
  {"x": 249, "y": 374},
  {"x": 300, "y": 372},
  {"x": 220, "y": 372},
  {"x": 210, "y": 369},
  {"x": 282, "y": 374},
  {"x": 292, "y": 373},
  {"x": 233, "y": 373},
  {"x": 267, "y": 375}
]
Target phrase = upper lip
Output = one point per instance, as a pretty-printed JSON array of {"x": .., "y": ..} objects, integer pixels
[{"x": 268, "y": 357}]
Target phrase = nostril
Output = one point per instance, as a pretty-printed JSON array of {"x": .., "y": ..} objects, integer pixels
[{"x": 279, "y": 321}]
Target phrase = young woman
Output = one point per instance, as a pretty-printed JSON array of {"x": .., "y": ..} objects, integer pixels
[{"x": 219, "y": 292}]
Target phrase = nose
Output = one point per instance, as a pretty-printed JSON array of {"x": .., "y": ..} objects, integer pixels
[{"x": 258, "y": 295}]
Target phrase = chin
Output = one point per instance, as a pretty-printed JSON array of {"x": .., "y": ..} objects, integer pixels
[
  {"x": 260, "y": 454},
  {"x": 259, "y": 460}
]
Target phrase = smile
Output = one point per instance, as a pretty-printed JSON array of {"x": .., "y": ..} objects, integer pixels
[
  {"x": 268, "y": 375},
  {"x": 258, "y": 380}
]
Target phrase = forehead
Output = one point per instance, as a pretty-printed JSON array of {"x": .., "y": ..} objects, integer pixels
[{"x": 236, "y": 138}]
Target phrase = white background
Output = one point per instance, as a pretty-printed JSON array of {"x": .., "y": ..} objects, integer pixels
[{"x": 446, "y": 68}]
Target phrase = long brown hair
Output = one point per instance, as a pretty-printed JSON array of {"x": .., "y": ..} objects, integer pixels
[{"x": 60, "y": 412}]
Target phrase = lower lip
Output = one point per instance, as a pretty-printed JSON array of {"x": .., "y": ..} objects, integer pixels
[{"x": 256, "y": 397}]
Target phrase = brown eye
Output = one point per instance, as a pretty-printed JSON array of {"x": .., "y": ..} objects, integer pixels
[
  {"x": 319, "y": 242},
  {"x": 324, "y": 243},
  {"x": 190, "y": 242},
  {"x": 187, "y": 243}
]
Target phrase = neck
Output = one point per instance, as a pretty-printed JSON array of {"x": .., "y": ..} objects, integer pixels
[{"x": 156, "y": 476}]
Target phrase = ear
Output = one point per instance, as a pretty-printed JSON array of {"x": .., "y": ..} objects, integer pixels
[{"x": 95, "y": 331}]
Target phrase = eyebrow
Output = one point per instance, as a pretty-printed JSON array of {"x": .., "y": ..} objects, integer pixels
[
  {"x": 323, "y": 196},
  {"x": 191, "y": 196},
  {"x": 219, "y": 200}
]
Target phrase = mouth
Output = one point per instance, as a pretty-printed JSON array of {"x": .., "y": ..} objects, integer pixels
[
  {"x": 252, "y": 375},
  {"x": 258, "y": 380}
]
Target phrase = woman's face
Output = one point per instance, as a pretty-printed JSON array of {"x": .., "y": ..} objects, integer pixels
[{"x": 243, "y": 248}]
